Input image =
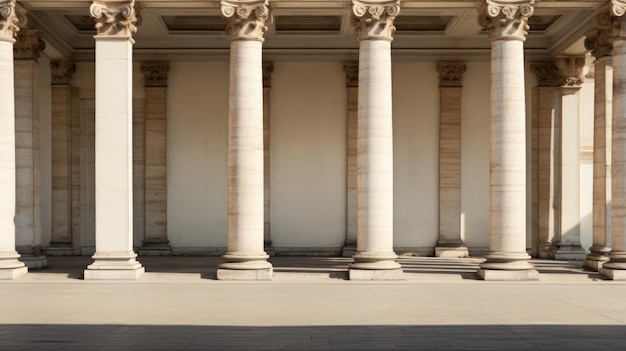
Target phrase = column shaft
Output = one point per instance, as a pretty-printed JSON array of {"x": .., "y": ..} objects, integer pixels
[
  {"x": 352, "y": 90},
  {"x": 268, "y": 69}
]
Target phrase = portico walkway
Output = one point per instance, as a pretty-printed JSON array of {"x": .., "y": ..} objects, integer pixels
[{"x": 178, "y": 305}]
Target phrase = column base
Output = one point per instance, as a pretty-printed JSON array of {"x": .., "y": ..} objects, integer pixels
[
  {"x": 122, "y": 266},
  {"x": 10, "y": 266},
  {"x": 155, "y": 251},
  {"x": 375, "y": 266},
  {"x": 568, "y": 252},
  {"x": 269, "y": 249},
  {"x": 245, "y": 267},
  {"x": 34, "y": 261},
  {"x": 498, "y": 274},
  {"x": 349, "y": 250},
  {"x": 595, "y": 260},
  {"x": 451, "y": 252},
  {"x": 59, "y": 251},
  {"x": 375, "y": 274},
  {"x": 544, "y": 250}
]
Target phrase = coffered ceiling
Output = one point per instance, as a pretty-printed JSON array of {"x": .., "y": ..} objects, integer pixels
[{"x": 314, "y": 30}]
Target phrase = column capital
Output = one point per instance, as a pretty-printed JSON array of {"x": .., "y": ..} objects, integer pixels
[
  {"x": 374, "y": 19},
  {"x": 29, "y": 45},
  {"x": 62, "y": 71},
  {"x": 8, "y": 20},
  {"x": 506, "y": 19},
  {"x": 547, "y": 73},
  {"x": 155, "y": 73},
  {"x": 268, "y": 69},
  {"x": 451, "y": 74},
  {"x": 115, "y": 17},
  {"x": 571, "y": 70},
  {"x": 247, "y": 20},
  {"x": 599, "y": 41},
  {"x": 352, "y": 73}
]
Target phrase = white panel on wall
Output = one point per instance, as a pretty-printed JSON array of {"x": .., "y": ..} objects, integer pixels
[
  {"x": 416, "y": 154},
  {"x": 308, "y": 154},
  {"x": 197, "y": 132}
]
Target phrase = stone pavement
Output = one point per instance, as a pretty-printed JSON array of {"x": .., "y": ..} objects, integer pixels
[{"x": 310, "y": 305}]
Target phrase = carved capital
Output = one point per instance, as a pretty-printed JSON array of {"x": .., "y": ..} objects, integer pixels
[
  {"x": 8, "y": 20},
  {"x": 352, "y": 73},
  {"x": 115, "y": 17},
  {"x": 374, "y": 19},
  {"x": 571, "y": 70},
  {"x": 155, "y": 73},
  {"x": 506, "y": 19},
  {"x": 29, "y": 45},
  {"x": 451, "y": 74},
  {"x": 268, "y": 69},
  {"x": 547, "y": 73},
  {"x": 247, "y": 20},
  {"x": 599, "y": 42},
  {"x": 62, "y": 71}
]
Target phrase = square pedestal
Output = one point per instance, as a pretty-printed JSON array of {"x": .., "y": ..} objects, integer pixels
[
  {"x": 113, "y": 274},
  {"x": 376, "y": 274},
  {"x": 613, "y": 274},
  {"x": 500, "y": 274},
  {"x": 34, "y": 262},
  {"x": 451, "y": 252},
  {"x": 12, "y": 273},
  {"x": 244, "y": 274},
  {"x": 593, "y": 265}
]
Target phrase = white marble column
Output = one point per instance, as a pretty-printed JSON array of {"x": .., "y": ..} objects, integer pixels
[
  {"x": 268, "y": 69},
  {"x": 352, "y": 90},
  {"x": 61, "y": 91},
  {"x": 601, "y": 48},
  {"x": 155, "y": 241},
  {"x": 450, "y": 244},
  {"x": 26, "y": 52},
  {"x": 10, "y": 265},
  {"x": 615, "y": 268},
  {"x": 507, "y": 258},
  {"x": 375, "y": 259},
  {"x": 245, "y": 258},
  {"x": 114, "y": 257}
]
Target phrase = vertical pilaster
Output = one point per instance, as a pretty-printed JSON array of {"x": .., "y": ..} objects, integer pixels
[
  {"x": 26, "y": 52},
  {"x": 155, "y": 242},
  {"x": 245, "y": 258},
  {"x": 507, "y": 259},
  {"x": 375, "y": 259},
  {"x": 352, "y": 90},
  {"x": 114, "y": 257},
  {"x": 268, "y": 69},
  {"x": 61, "y": 96},
  {"x": 601, "y": 48},
  {"x": 10, "y": 265},
  {"x": 615, "y": 268},
  {"x": 450, "y": 243}
]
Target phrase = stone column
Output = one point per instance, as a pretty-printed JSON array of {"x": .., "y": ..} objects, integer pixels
[
  {"x": 450, "y": 244},
  {"x": 507, "y": 258},
  {"x": 601, "y": 48},
  {"x": 245, "y": 258},
  {"x": 352, "y": 90},
  {"x": 615, "y": 268},
  {"x": 10, "y": 265},
  {"x": 26, "y": 53},
  {"x": 268, "y": 69},
  {"x": 61, "y": 91},
  {"x": 114, "y": 257},
  {"x": 375, "y": 259},
  {"x": 155, "y": 242}
]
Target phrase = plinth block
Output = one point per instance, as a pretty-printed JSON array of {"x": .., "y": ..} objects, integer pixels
[
  {"x": 613, "y": 274},
  {"x": 593, "y": 265},
  {"x": 12, "y": 273},
  {"x": 244, "y": 274},
  {"x": 375, "y": 274},
  {"x": 501, "y": 274},
  {"x": 114, "y": 274},
  {"x": 451, "y": 252},
  {"x": 34, "y": 261}
]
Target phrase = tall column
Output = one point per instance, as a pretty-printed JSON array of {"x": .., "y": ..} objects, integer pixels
[
  {"x": 375, "y": 259},
  {"x": 114, "y": 257},
  {"x": 507, "y": 258},
  {"x": 268, "y": 69},
  {"x": 352, "y": 90},
  {"x": 615, "y": 268},
  {"x": 155, "y": 241},
  {"x": 61, "y": 91},
  {"x": 10, "y": 265},
  {"x": 245, "y": 258},
  {"x": 450, "y": 244},
  {"x": 26, "y": 53},
  {"x": 601, "y": 48}
]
